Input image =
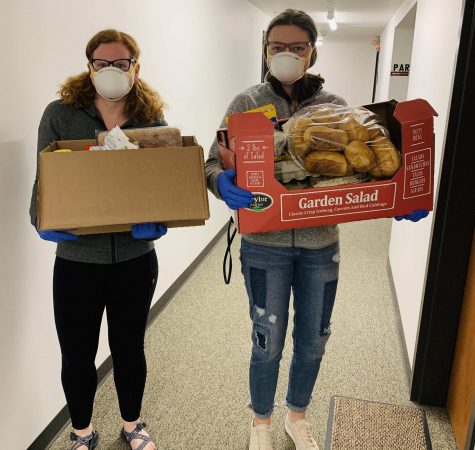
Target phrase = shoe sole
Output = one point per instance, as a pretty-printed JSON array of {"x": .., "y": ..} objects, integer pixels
[{"x": 95, "y": 441}]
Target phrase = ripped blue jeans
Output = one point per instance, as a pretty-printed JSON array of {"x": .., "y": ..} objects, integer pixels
[{"x": 270, "y": 273}]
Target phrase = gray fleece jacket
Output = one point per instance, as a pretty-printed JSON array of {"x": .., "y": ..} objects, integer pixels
[
  {"x": 260, "y": 95},
  {"x": 63, "y": 122}
]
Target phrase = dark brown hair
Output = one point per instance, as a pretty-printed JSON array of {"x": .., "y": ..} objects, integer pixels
[
  {"x": 309, "y": 84},
  {"x": 142, "y": 102}
]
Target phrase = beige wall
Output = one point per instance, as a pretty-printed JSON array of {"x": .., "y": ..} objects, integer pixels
[
  {"x": 198, "y": 55},
  {"x": 434, "y": 51},
  {"x": 348, "y": 59}
]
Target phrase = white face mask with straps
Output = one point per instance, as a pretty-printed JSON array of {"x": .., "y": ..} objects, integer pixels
[
  {"x": 287, "y": 67},
  {"x": 113, "y": 84}
]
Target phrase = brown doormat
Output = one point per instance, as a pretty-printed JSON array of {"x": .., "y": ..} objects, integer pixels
[{"x": 364, "y": 425}]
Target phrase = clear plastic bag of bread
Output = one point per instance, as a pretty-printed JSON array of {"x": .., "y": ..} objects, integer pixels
[{"x": 340, "y": 141}]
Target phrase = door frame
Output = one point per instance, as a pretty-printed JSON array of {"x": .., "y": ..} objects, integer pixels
[
  {"x": 470, "y": 441},
  {"x": 451, "y": 234}
]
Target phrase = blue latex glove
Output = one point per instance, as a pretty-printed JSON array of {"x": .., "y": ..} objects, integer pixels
[
  {"x": 56, "y": 236},
  {"x": 233, "y": 196},
  {"x": 415, "y": 216},
  {"x": 148, "y": 230}
]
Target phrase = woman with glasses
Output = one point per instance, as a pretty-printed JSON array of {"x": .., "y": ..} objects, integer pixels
[
  {"x": 115, "y": 272},
  {"x": 273, "y": 264},
  {"x": 304, "y": 261}
]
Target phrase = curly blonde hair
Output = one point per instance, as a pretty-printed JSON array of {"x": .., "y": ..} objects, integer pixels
[{"x": 142, "y": 102}]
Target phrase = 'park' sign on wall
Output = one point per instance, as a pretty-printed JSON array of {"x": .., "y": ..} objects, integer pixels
[{"x": 400, "y": 70}]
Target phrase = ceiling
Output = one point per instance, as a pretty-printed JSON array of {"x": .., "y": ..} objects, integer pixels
[{"x": 355, "y": 18}]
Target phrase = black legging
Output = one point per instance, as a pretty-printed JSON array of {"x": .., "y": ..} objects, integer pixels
[{"x": 81, "y": 291}]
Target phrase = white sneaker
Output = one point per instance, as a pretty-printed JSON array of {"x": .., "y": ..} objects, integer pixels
[
  {"x": 300, "y": 433},
  {"x": 260, "y": 437}
]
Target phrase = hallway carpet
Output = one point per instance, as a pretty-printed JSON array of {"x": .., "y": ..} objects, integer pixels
[{"x": 198, "y": 351}]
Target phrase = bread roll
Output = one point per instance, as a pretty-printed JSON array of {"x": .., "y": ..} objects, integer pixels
[
  {"x": 326, "y": 163},
  {"x": 376, "y": 172},
  {"x": 355, "y": 130},
  {"x": 298, "y": 146},
  {"x": 297, "y": 125},
  {"x": 387, "y": 156},
  {"x": 296, "y": 130},
  {"x": 350, "y": 170},
  {"x": 326, "y": 115},
  {"x": 375, "y": 132},
  {"x": 150, "y": 137},
  {"x": 320, "y": 137},
  {"x": 360, "y": 156}
]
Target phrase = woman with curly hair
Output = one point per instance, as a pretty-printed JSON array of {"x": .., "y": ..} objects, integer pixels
[{"x": 115, "y": 272}]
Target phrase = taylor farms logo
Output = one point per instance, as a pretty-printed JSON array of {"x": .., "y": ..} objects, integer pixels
[{"x": 261, "y": 202}]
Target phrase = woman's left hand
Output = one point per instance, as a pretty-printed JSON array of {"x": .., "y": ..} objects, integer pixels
[
  {"x": 415, "y": 216},
  {"x": 148, "y": 230}
]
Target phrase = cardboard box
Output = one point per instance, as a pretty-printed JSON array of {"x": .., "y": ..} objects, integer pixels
[
  {"x": 90, "y": 192},
  {"x": 247, "y": 145}
]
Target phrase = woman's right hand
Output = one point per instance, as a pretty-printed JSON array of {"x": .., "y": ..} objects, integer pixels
[
  {"x": 233, "y": 196},
  {"x": 56, "y": 236}
]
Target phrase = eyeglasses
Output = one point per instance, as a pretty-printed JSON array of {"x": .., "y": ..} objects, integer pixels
[
  {"x": 122, "y": 64},
  {"x": 299, "y": 48}
]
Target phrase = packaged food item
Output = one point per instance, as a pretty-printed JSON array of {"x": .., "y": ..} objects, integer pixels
[
  {"x": 150, "y": 137},
  {"x": 280, "y": 143},
  {"x": 268, "y": 110},
  {"x": 114, "y": 139},
  {"x": 337, "y": 141},
  {"x": 296, "y": 185},
  {"x": 287, "y": 170}
]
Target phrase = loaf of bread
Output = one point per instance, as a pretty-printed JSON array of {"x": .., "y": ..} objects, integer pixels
[
  {"x": 150, "y": 137},
  {"x": 326, "y": 163},
  {"x": 360, "y": 156},
  {"x": 320, "y": 137},
  {"x": 355, "y": 130},
  {"x": 387, "y": 157}
]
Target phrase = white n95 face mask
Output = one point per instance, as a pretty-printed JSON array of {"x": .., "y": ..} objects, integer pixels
[
  {"x": 287, "y": 67},
  {"x": 112, "y": 83}
]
